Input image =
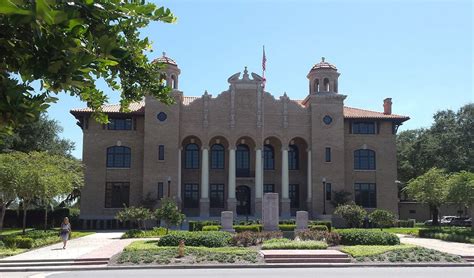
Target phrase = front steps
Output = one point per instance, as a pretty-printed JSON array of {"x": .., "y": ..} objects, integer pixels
[
  {"x": 469, "y": 259},
  {"x": 13, "y": 265},
  {"x": 304, "y": 256}
]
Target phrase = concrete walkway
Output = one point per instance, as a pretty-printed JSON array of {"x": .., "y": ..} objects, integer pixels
[
  {"x": 99, "y": 245},
  {"x": 455, "y": 248}
]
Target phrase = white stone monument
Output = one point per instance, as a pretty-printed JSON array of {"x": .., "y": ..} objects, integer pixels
[
  {"x": 270, "y": 213},
  {"x": 227, "y": 221},
  {"x": 301, "y": 220}
]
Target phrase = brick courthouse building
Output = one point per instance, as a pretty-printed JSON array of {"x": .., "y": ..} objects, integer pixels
[{"x": 215, "y": 153}]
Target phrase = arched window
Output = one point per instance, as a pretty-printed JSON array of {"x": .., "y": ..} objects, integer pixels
[
  {"x": 118, "y": 157},
  {"x": 174, "y": 84},
  {"x": 242, "y": 158},
  {"x": 326, "y": 84},
  {"x": 364, "y": 159},
  {"x": 335, "y": 86},
  {"x": 316, "y": 85},
  {"x": 217, "y": 156},
  {"x": 268, "y": 157},
  {"x": 293, "y": 158},
  {"x": 191, "y": 156}
]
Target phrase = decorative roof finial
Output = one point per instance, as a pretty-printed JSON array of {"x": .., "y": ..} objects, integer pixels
[
  {"x": 246, "y": 74},
  {"x": 245, "y": 70},
  {"x": 164, "y": 54},
  {"x": 322, "y": 59}
]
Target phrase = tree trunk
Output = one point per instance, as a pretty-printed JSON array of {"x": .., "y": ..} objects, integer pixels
[
  {"x": 435, "y": 211},
  {"x": 2, "y": 215},
  {"x": 25, "y": 208},
  {"x": 45, "y": 218}
]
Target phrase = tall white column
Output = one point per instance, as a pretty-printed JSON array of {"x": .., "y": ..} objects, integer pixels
[
  {"x": 231, "y": 193},
  {"x": 258, "y": 174},
  {"x": 178, "y": 194},
  {"x": 205, "y": 174},
  {"x": 284, "y": 174},
  {"x": 308, "y": 177}
]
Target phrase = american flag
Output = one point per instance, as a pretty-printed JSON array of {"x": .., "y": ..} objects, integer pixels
[{"x": 264, "y": 66}]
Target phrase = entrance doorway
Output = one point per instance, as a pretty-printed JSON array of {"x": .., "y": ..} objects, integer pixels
[{"x": 242, "y": 193}]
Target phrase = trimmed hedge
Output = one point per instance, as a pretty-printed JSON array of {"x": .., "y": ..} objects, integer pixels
[
  {"x": 214, "y": 228},
  {"x": 323, "y": 228},
  {"x": 18, "y": 242},
  {"x": 367, "y": 237},
  {"x": 464, "y": 235},
  {"x": 156, "y": 232},
  {"x": 198, "y": 225},
  {"x": 410, "y": 223},
  {"x": 207, "y": 239},
  {"x": 248, "y": 228},
  {"x": 287, "y": 227},
  {"x": 325, "y": 223}
]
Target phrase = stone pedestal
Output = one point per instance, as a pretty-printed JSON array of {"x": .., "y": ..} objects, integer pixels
[
  {"x": 270, "y": 212},
  {"x": 285, "y": 208},
  {"x": 232, "y": 205},
  {"x": 301, "y": 220},
  {"x": 227, "y": 221},
  {"x": 258, "y": 207},
  {"x": 204, "y": 207}
]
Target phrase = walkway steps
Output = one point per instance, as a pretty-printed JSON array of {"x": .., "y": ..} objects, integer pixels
[
  {"x": 304, "y": 256},
  {"x": 6, "y": 264},
  {"x": 469, "y": 259}
]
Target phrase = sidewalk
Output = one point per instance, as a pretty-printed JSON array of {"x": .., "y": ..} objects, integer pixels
[
  {"x": 455, "y": 248},
  {"x": 99, "y": 245}
]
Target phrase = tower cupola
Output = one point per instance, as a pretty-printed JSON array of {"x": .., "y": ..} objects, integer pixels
[
  {"x": 323, "y": 78},
  {"x": 170, "y": 70}
]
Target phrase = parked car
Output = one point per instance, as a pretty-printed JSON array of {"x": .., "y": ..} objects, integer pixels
[
  {"x": 445, "y": 220},
  {"x": 461, "y": 221}
]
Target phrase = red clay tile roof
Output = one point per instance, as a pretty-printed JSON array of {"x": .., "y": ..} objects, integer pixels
[
  {"x": 135, "y": 108},
  {"x": 324, "y": 65},
  {"x": 349, "y": 112},
  {"x": 165, "y": 59},
  {"x": 356, "y": 113}
]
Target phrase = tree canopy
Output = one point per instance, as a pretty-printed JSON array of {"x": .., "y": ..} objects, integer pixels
[
  {"x": 40, "y": 135},
  {"x": 447, "y": 144},
  {"x": 66, "y": 46}
]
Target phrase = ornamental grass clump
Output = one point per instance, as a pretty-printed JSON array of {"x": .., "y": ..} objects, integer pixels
[
  {"x": 331, "y": 238},
  {"x": 246, "y": 239}
]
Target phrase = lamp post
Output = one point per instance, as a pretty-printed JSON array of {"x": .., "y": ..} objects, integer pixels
[
  {"x": 324, "y": 195},
  {"x": 169, "y": 186}
]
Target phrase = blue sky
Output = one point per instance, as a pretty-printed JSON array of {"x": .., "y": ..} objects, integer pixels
[{"x": 417, "y": 52}]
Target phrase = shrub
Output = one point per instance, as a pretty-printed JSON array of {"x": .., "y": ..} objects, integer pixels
[
  {"x": 326, "y": 223},
  {"x": 288, "y": 221},
  {"x": 156, "y": 232},
  {"x": 319, "y": 228},
  {"x": 247, "y": 238},
  {"x": 353, "y": 214},
  {"x": 292, "y": 244},
  {"x": 135, "y": 214},
  {"x": 382, "y": 218},
  {"x": 367, "y": 237},
  {"x": 248, "y": 228},
  {"x": 18, "y": 242},
  {"x": 331, "y": 238},
  {"x": 410, "y": 223},
  {"x": 211, "y": 228},
  {"x": 287, "y": 227},
  {"x": 207, "y": 239},
  {"x": 448, "y": 234},
  {"x": 197, "y": 225}
]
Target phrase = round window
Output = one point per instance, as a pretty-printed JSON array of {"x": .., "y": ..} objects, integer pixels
[
  {"x": 327, "y": 119},
  {"x": 162, "y": 116}
]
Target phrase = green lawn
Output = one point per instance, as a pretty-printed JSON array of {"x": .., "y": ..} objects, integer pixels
[
  {"x": 147, "y": 252},
  {"x": 9, "y": 231},
  {"x": 371, "y": 250},
  {"x": 40, "y": 238}
]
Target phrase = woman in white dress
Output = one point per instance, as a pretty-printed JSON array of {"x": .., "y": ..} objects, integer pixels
[{"x": 65, "y": 231}]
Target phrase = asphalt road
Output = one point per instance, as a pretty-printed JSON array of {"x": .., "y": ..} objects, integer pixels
[{"x": 365, "y": 272}]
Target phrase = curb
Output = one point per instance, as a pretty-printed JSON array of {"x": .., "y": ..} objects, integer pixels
[{"x": 231, "y": 266}]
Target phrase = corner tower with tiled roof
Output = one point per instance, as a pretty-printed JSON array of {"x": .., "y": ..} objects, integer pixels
[
  {"x": 171, "y": 70},
  {"x": 323, "y": 77}
]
